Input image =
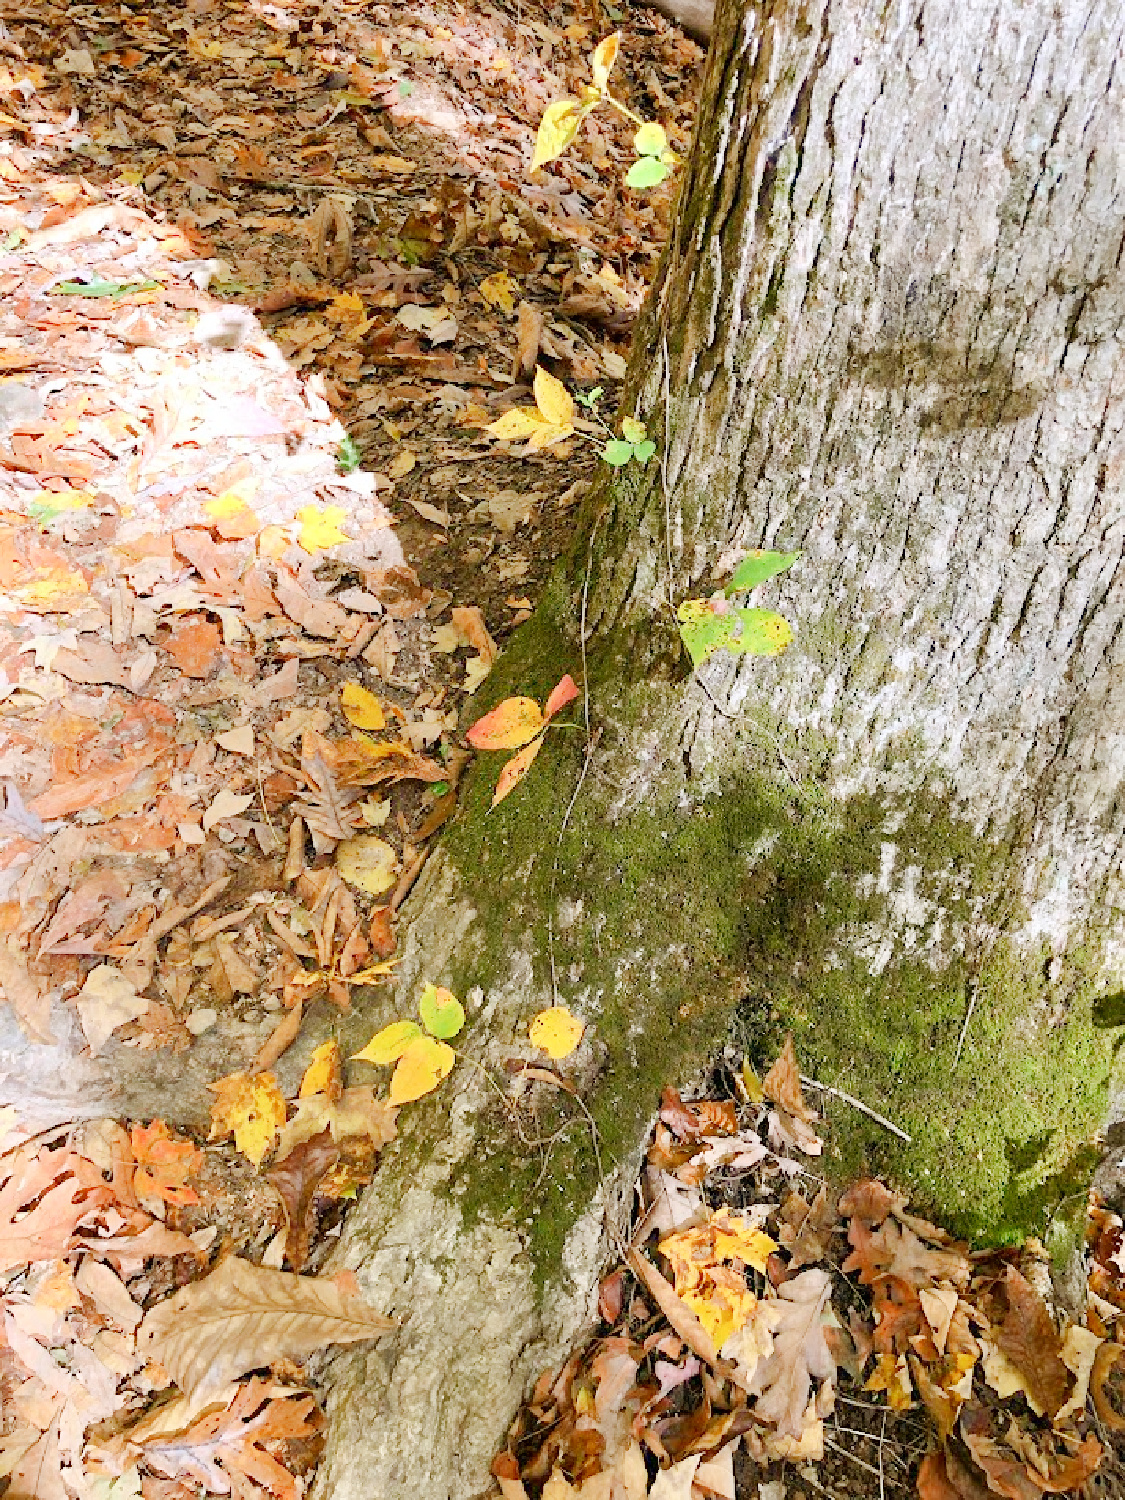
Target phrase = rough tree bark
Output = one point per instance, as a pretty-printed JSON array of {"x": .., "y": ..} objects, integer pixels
[{"x": 888, "y": 333}]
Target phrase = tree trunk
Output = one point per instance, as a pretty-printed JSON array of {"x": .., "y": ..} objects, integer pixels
[{"x": 887, "y": 333}]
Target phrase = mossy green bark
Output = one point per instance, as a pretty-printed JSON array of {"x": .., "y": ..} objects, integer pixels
[{"x": 756, "y": 906}]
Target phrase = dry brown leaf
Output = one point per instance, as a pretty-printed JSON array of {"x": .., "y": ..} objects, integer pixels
[
  {"x": 243, "y": 1316},
  {"x": 782, "y": 1084},
  {"x": 296, "y": 1179},
  {"x": 783, "y": 1380},
  {"x": 224, "y": 1448},
  {"x": 1028, "y": 1337}
]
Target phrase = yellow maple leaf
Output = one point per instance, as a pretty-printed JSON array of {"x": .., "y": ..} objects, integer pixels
[
  {"x": 321, "y": 527},
  {"x": 253, "y": 1109},
  {"x": 716, "y": 1292}
]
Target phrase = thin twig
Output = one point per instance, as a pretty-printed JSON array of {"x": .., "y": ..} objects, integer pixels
[
  {"x": 864, "y": 1109},
  {"x": 861, "y": 1462},
  {"x": 664, "y": 469}
]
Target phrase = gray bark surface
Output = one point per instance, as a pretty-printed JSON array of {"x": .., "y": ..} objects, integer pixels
[{"x": 888, "y": 334}]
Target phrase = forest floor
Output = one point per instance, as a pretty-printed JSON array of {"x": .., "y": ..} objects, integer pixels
[{"x": 267, "y": 272}]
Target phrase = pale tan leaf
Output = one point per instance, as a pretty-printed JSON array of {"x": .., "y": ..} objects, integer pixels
[{"x": 242, "y": 1317}]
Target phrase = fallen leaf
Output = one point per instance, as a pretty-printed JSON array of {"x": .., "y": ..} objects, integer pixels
[
  {"x": 556, "y": 1032},
  {"x": 515, "y": 770},
  {"x": 106, "y": 1001},
  {"x": 252, "y": 1109},
  {"x": 509, "y": 725},
  {"x": 361, "y": 707},
  {"x": 442, "y": 1013},
  {"x": 367, "y": 862},
  {"x": 321, "y": 527},
  {"x": 164, "y": 1162},
  {"x": 422, "y": 1066},
  {"x": 242, "y": 1317},
  {"x": 388, "y": 1045},
  {"x": 296, "y": 1177}
]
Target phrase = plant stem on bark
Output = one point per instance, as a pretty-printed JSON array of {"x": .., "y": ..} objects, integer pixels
[{"x": 887, "y": 333}]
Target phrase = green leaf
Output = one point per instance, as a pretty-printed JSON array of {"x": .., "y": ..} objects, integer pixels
[
  {"x": 705, "y": 629},
  {"x": 442, "y": 1013},
  {"x": 757, "y": 567},
  {"x": 646, "y": 172},
  {"x": 650, "y": 140},
  {"x": 97, "y": 286},
  {"x": 763, "y": 632},
  {"x": 405, "y": 88},
  {"x": 617, "y": 452},
  {"x": 642, "y": 452},
  {"x": 348, "y": 456}
]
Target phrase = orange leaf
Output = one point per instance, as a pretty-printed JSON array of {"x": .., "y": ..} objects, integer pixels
[
  {"x": 164, "y": 1163},
  {"x": 515, "y": 770},
  {"x": 194, "y": 647},
  {"x": 509, "y": 725},
  {"x": 562, "y": 693}
]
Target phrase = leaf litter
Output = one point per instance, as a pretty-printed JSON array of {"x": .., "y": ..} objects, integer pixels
[{"x": 268, "y": 281}]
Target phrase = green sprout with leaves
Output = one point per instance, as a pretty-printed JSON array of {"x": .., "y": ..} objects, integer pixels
[
  {"x": 552, "y": 419},
  {"x": 715, "y": 624},
  {"x": 348, "y": 456},
  {"x": 562, "y": 120}
]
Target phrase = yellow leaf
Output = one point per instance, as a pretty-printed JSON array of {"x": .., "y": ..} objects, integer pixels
[
  {"x": 553, "y": 400},
  {"x": 388, "y": 1045},
  {"x": 320, "y": 527},
  {"x": 520, "y": 422},
  {"x": 515, "y": 770},
  {"x": 367, "y": 862},
  {"x": 323, "y": 1072},
  {"x": 361, "y": 707},
  {"x": 632, "y": 431},
  {"x": 499, "y": 290},
  {"x": 420, "y": 1069},
  {"x": 252, "y": 1108},
  {"x": 556, "y": 1032},
  {"x": 603, "y": 58},
  {"x": 561, "y": 122},
  {"x": 510, "y": 724},
  {"x": 225, "y": 506}
]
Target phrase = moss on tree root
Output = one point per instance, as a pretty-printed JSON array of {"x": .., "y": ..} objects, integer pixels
[{"x": 763, "y": 907}]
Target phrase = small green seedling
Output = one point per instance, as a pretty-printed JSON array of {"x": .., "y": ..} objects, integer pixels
[{"x": 715, "y": 624}]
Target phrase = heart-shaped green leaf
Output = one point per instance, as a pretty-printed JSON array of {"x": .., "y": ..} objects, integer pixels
[{"x": 442, "y": 1013}]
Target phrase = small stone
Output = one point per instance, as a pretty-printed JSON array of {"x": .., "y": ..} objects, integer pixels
[{"x": 200, "y": 1021}]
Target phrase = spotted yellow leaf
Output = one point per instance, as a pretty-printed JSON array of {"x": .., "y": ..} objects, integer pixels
[
  {"x": 368, "y": 862},
  {"x": 510, "y": 724},
  {"x": 556, "y": 1032}
]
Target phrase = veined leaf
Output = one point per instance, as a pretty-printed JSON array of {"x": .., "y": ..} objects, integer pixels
[
  {"x": 705, "y": 629},
  {"x": 361, "y": 707},
  {"x": 510, "y": 724},
  {"x": 553, "y": 399},
  {"x": 565, "y": 691},
  {"x": 388, "y": 1045},
  {"x": 521, "y": 422},
  {"x": 756, "y": 567},
  {"x": 618, "y": 452},
  {"x": 561, "y": 122}
]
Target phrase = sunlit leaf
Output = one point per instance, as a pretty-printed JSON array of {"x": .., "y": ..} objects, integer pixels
[
  {"x": 633, "y": 430},
  {"x": 361, "y": 707},
  {"x": 561, "y": 122},
  {"x": 515, "y": 770},
  {"x": 556, "y": 1032},
  {"x": 646, "y": 172},
  {"x": 253, "y": 1109},
  {"x": 553, "y": 399},
  {"x": 565, "y": 691},
  {"x": 510, "y": 724},
  {"x": 500, "y": 291},
  {"x": 650, "y": 140},
  {"x": 756, "y": 567},
  {"x": 442, "y": 1013},
  {"x": 320, "y": 527},
  {"x": 706, "y": 628},
  {"x": 420, "y": 1069},
  {"x": 323, "y": 1074},
  {"x": 644, "y": 451},
  {"x": 388, "y": 1045},
  {"x": 603, "y": 58},
  {"x": 519, "y": 423},
  {"x": 618, "y": 452}
]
